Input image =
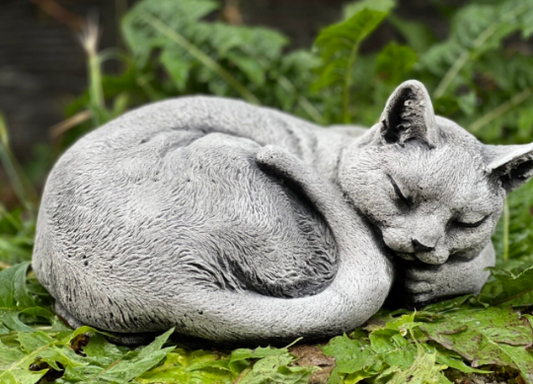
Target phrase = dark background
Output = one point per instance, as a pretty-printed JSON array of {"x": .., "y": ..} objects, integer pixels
[{"x": 43, "y": 67}]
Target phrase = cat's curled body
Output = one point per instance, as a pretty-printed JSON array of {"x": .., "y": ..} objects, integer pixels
[{"x": 237, "y": 223}]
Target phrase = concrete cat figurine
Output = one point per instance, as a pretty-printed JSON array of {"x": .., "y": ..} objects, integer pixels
[{"x": 238, "y": 223}]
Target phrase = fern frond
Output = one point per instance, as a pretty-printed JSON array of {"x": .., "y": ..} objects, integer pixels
[
  {"x": 338, "y": 45},
  {"x": 476, "y": 29},
  {"x": 202, "y": 51}
]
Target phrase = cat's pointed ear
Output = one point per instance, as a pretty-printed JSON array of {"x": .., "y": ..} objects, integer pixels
[
  {"x": 409, "y": 115},
  {"x": 512, "y": 164}
]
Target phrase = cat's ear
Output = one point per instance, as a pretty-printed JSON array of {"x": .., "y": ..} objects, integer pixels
[
  {"x": 409, "y": 115},
  {"x": 512, "y": 164}
]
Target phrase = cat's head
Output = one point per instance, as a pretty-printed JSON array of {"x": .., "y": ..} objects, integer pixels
[{"x": 430, "y": 187}]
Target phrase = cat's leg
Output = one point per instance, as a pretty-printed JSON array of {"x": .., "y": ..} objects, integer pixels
[{"x": 427, "y": 283}]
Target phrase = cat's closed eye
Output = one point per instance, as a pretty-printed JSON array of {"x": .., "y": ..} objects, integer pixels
[
  {"x": 404, "y": 198},
  {"x": 470, "y": 225}
]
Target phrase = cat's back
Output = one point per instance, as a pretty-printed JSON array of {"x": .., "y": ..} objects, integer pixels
[
  {"x": 205, "y": 114},
  {"x": 163, "y": 197}
]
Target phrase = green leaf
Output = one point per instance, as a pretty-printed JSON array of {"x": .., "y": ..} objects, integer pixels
[
  {"x": 476, "y": 30},
  {"x": 250, "y": 67},
  {"x": 101, "y": 362},
  {"x": 423, "y": 370},
  {"x": 447, "y": 305},
  {"x": 393, "y": 349},
  {"x": 383, "y": 353},
  {"x": 509, "y": 287},
  {"x": 17, "y": 366},
  {"x": 394, "y": 63},
  {"x": 225, "y": 57},
  {"x": 454, "y": 360},
  {"x": 376, "y": 5},
  {"x": 338, "y": 45},
  {"x": 178, "y": 15},
  {"x": 186, "y": 366},
  {"x": 13, "y": 293},
  {"x": 468, "y": 103},
  {"x": 417, "y": 35},
  {"x": 19, "y": 307},
  {"x": 14, "y": 249},
  {"x": 136, "y": 362},
  {"x": 9, "y": 355},
  {"x": 177, "y": 67},
  {"x": 106, "y": 362},
  {"x": 242, "y": 358},
  {"x": 486, "y": 336},
  {"x": 277, "y": 369},
  {"x": 255, "y": 42},
  {"x": 353, "y": 358}
]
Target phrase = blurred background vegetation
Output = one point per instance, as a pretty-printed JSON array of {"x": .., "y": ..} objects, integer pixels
[{"x": 69, "y": 66}]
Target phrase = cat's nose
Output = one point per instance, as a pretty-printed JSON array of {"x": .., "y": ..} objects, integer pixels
[{"x": 419, "y": 247}]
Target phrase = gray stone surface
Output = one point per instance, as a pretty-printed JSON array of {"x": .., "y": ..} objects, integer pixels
[{"x": 238, "y": 223}]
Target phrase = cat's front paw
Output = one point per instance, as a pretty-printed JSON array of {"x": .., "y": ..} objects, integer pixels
[{"x": 423, "y": 284}]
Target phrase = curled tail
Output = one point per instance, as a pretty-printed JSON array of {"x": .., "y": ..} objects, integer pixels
[{"x": 358, "y": 290}]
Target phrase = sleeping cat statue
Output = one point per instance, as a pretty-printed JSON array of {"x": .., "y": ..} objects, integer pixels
[{"x": 238, "y": 223}]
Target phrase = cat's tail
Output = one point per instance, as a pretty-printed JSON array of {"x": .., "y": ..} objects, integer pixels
[{"x": 358, "y": 290}]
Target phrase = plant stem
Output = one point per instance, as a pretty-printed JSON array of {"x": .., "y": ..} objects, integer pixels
[
  {"x": 478, "y": 42},
  {"x": 69, "y": 123},
  {"x": 21, "y": 186},
  {"x": 501, "y": 109},
  {"x": 61, "y": 14},
  {"x": 451, "y": 74},
  {"x": 97, "y": 94},
  {"x": 506, "y": 231},
  {"x": 511, "y": 298},
  {"x": 202, "y": 57},
  {"x": 346, "y": 87},
  {"x": 243, "y": 374},
  {"x": 89, "y": 40}
]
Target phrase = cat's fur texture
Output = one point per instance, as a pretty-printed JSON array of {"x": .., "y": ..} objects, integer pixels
[{"x": 233, "y": 222}]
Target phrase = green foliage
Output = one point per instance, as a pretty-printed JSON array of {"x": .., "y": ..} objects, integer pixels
[
  {"x": 22, "y": 303},
  {"x": 510, "y": 287},
  {"x": 34, "y": 343},
  {"x": 215, "y": 57},
  {"x": 338, "y": 45},
  {"x": 423, "y": 345},
  {"x": 30, "y": 356},
  {"x": 21, "y": 186},
  {"x": 274, "y": 366},
  {"x": 513, "y": 239},
  {"x": 476, "y": 30},
  {"x": 393, "y": 62},
  {"x": 16, "y": 236},
  {"x": 493, "y": 335},
  {"x": 394, "y": 347},
  {"x": 479, "y": 78}
]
